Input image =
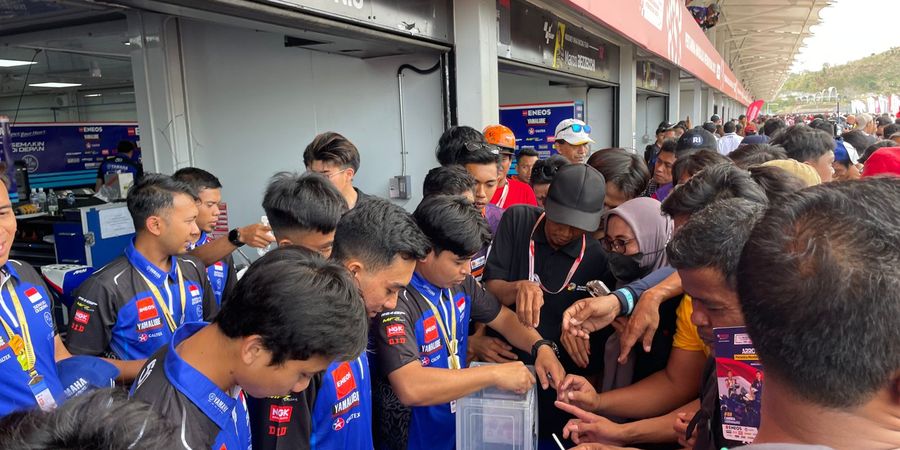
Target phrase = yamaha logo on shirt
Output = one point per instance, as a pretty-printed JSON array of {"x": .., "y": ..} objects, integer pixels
[
  {"x": 153, "y": 271},
  {"x": 217, "y": 402},
  {"x": 346, "y": 404}
]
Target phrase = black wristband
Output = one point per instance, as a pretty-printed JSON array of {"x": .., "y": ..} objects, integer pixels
[
  {"x": 234, "y": 237},
  {"x": 537, "y": 345}
]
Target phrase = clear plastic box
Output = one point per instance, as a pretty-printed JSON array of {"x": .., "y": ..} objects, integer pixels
[{"x": 492, "y": 419}]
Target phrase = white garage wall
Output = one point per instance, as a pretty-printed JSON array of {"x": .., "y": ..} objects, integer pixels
[
  {"x": 72, "y": 106},
  {"x": 255, "y": 105},
  {"x": 650, "y": 112},
  {"x": 516, "y": 89}
]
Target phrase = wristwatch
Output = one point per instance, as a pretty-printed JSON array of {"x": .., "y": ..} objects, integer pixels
[
  {"x": 234, "y": 236},
  {"x": 537, "y": 345}
]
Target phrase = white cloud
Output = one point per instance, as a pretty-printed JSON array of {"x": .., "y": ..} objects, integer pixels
[{"x": 850, "y": 30}]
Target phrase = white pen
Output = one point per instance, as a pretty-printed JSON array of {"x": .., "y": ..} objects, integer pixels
[{"x": 557, "y": 442}]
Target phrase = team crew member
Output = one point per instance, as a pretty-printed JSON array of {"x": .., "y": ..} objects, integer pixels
[
  {"x": 334, "y": 156},
  {"x": 291, "y": 315},
  {"x": 421, "y": 344},
  {"x": 572, "y": 140},
  {"x": 221, "y": 273},
  {"x": 510, "y": 191},
  {"x": 378, "y": 242},
  {"x": 216, "y": 254},
  {"x": 449, "y": 180},
  {"x": 482, "y": 161},
  {"x": 304, "y": 210},
  {"x": 542, "y": 260},
  {"x": 122, "y": 162},
  {"x": 132, "y": 306},
  {"x": 524, "y": 163},
  {"x": 29, "y": 345}
]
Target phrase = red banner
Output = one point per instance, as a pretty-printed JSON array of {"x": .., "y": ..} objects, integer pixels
[
  {"x": 753, "y": 110},
  {"x": 666, "y": 28}
]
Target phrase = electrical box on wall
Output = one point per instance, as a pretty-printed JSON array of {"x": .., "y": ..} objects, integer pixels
[{"x": 400, "y": 187}]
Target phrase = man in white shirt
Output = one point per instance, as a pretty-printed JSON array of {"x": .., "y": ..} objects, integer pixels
[{"x": 730, "y": 141}]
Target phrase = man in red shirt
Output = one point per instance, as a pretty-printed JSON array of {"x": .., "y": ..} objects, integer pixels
[{"x": 510, "y": 191}]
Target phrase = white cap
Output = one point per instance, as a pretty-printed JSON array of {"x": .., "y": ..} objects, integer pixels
[{"x": 564, "y": 132}]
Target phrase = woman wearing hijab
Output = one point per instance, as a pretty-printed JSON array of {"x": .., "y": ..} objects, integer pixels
[{"x": 635, "y": 237}]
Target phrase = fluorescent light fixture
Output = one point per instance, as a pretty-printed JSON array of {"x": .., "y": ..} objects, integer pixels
[
  {"x": 93, "y": 95},
  {"x": 55, "y": 85},
  {"x": 14, "y": 63}
]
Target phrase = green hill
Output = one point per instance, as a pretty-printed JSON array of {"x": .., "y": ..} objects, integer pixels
[{"x": 875, "y": 74}]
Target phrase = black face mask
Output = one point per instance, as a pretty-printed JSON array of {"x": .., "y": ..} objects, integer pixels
[{"x": 626, "y": 268}]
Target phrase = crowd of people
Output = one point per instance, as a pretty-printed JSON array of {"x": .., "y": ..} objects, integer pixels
[{"x": 597, "y": 277}]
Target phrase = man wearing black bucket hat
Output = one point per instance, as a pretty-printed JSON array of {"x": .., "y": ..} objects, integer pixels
[{"x": 541, "y": 262}]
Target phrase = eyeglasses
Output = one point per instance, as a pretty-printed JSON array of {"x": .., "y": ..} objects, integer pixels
[
  {"x": 475, "y": 146},
  {"x": 614, "y": 245},
  {"x": 577, "y": 127}
]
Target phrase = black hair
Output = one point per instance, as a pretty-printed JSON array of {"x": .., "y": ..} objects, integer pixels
[
  {"x": 377, "y": 231},
  {"x": 776, "y": 182},
  {"x": 824, "y": 125},
  {"x": 304, "y": 202},
  {"x": 527, "y": 151},
  {"x": 448, "y": 180},
  {"x": 742, "y": 116},
  {"x": 198, "y": 179},
  {"x": 125, "y": 147},
  {"x": 101, "y": 419},
  {"x": 709, "y": 126},
  {"x": 810, "y": 261},
  {"x": 715, "y": 236},
  {"x": 453, "y": 224},
  {"x": 544, "y": 170},
  {"x": 728, "y": 127},
  {"x": 301, "y": 304},
  {"x": 773, "y": 126},
  {"x": 754, "y": 154},
  {"x": 857, "y": 139},
  {"x": 889, "y": 130},
  {"x": 332, "y": 148},
  {"x": 625, "y": 170},
  {"x": 803, "y": 143},
  {"x": 669, "y": 146},
  {"x": 874, "y": 147},
  {"x": 713, "y": 183},
  {"x": 152, "y": 194},
  {"x": 453, "y": 142},
  {"x": 485, "y": 155},
  {"x": 695, "y": 162}
]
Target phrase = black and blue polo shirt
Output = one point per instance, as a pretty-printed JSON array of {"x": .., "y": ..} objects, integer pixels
[{"x": 117, "y": 314}]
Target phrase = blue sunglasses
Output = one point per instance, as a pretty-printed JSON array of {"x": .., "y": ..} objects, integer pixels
[{"x": 577, "y": 127}]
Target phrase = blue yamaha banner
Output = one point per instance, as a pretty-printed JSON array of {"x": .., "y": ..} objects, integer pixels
[
  {"x": 534, "y": 124},
  {"x": 68, "y": 154}
]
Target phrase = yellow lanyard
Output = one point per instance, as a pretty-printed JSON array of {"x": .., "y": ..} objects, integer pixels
[
  {"x": 449, "y": 338},
  {"x": 162, "y": 304},
  {"x": 21, "y": 345}
]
